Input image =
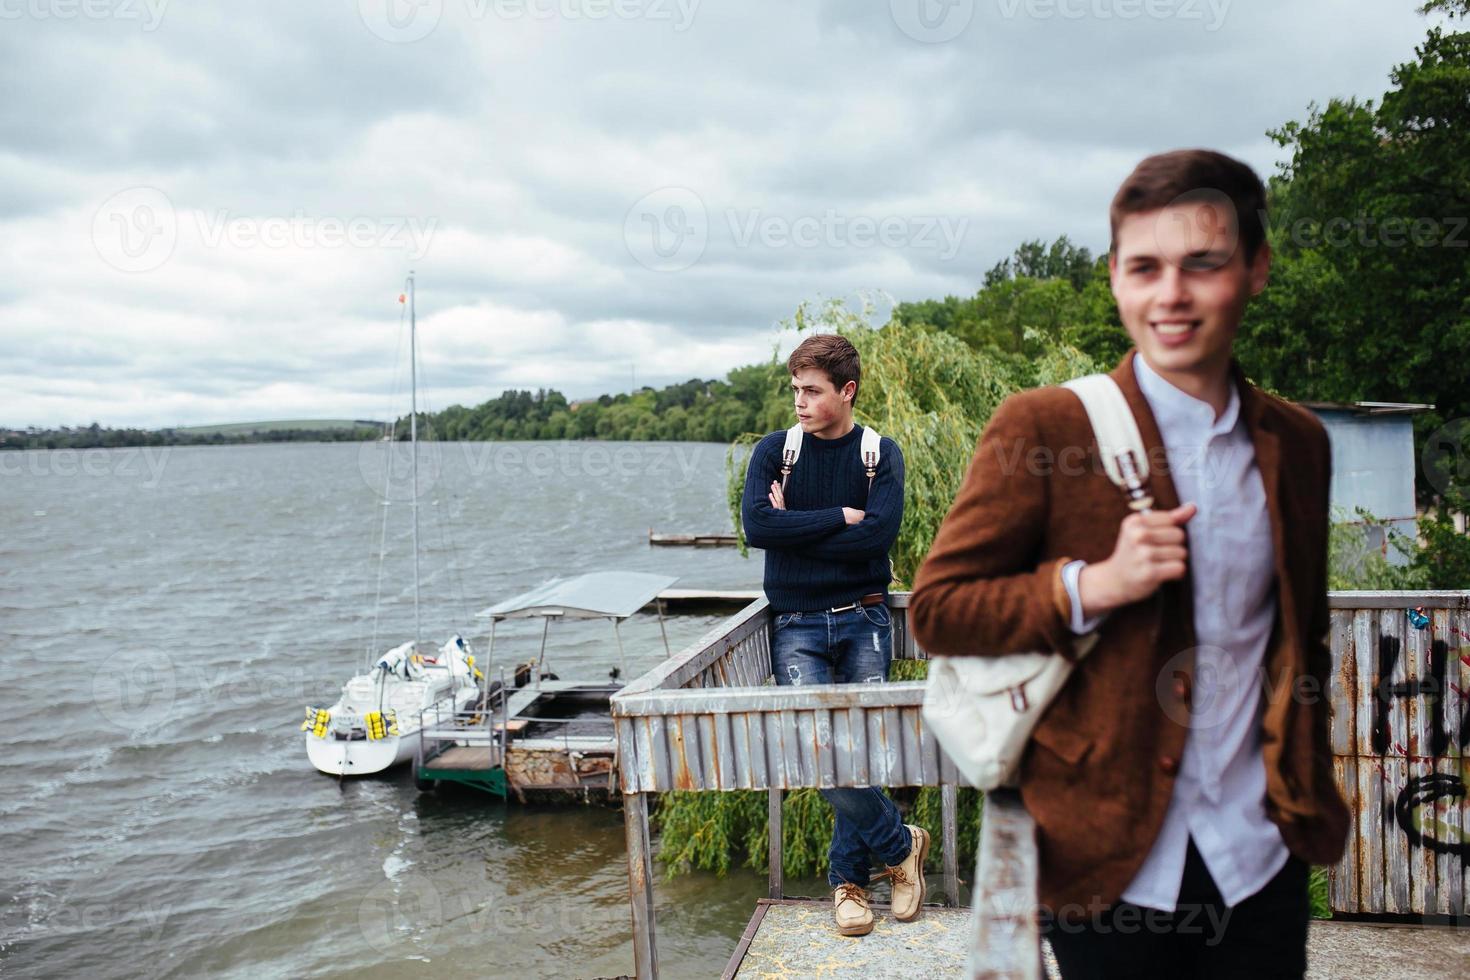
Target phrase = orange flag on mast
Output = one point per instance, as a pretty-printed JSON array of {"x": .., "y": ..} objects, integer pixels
[{"x": 402, "y": 297}]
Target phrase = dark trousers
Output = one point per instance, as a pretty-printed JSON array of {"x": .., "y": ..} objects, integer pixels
[{"x": 1265, "y": 936}]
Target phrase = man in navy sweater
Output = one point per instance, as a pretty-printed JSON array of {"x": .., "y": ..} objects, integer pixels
[{"x": 826, "y": 527}]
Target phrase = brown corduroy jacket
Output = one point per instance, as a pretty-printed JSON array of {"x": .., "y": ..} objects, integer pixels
[{"x": 1099, "y": 772}]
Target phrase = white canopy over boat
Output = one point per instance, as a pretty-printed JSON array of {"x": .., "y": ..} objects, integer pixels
[{"x": 595, "y": 595}]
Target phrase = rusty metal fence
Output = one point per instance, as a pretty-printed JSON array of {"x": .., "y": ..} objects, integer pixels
[{"x": 709, "y": 718}]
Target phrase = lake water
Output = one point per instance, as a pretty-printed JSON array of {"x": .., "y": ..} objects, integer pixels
[{"x": 165, "y": 616}]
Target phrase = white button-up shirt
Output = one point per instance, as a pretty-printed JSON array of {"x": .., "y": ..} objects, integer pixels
[{"x": 1220, "y": 792}]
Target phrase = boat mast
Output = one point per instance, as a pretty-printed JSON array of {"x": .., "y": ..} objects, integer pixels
[{"x": 413, "y": 436}]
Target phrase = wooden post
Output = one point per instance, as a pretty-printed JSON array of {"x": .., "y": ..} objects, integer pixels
[
  {"x": 949, "y": 839},
  {"x": 640, "y": 884},
  {"x": 773, "y": 828},
  {"x": 1007, "y": 938}
]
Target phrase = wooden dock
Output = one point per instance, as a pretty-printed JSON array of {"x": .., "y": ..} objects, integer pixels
[
  {"x": 477, "y": 757},
  {"x": 717, "y": 540}
]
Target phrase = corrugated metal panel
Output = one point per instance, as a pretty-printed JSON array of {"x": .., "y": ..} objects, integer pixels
[
  {"x": 1399, "y": 698},
  {"x": 1399, "y": 734}
]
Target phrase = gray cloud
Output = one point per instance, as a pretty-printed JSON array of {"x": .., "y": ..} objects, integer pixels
[{"x": 280, "y": 145}]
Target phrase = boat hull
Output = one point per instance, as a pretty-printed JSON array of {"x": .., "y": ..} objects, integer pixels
[{"x": 359, "y": 757}]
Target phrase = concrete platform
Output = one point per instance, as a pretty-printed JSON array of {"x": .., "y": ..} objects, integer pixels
[
  {"x": 794, "y": 938},
  {"x": 1386, "y": 952}
]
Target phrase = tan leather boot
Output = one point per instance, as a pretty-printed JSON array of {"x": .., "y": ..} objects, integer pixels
[
  {"x": 851, "y": 911},
  {"x": 908, "y": 877}
]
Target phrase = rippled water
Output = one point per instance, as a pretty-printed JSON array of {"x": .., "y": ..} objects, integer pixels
[{"x": 165, "y": 615}]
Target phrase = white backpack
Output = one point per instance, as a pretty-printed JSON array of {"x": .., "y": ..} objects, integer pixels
[
  {"x": 792, "y": 452},
  {"x": 983, "y": 709}
]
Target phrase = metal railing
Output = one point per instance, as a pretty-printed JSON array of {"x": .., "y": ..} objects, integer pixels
[
  {"x": 442, "y": 725},
  {"x": 710, "y": 719}
]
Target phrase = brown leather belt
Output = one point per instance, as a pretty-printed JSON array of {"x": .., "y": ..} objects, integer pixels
[{"x": 871, "y": 599}]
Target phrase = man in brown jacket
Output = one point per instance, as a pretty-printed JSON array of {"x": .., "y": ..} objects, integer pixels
[{"x": 1182, "y": 781}]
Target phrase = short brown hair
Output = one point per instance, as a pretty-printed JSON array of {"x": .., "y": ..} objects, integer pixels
[
  {"x": 832, "y": 353},
  {"x": 1162, "y": 180}
]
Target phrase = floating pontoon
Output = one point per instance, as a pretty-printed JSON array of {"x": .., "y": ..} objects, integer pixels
[{"x": 539, "y": 734}]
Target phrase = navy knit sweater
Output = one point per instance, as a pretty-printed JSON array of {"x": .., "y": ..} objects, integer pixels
[{"x": 814, "y": 559}]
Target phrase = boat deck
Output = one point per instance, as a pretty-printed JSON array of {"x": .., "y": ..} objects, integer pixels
[{"x": 465, "y": 757}]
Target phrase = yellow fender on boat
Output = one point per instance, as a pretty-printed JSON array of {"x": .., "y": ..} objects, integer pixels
[
  {"x": 375, "y": 727},
  {"x": 316, "y": 721}
]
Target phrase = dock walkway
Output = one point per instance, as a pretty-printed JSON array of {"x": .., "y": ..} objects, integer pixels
[{"x": 795, "y": 938}]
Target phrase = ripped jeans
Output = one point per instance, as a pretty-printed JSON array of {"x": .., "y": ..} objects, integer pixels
[{"x": 851, "y": 647}]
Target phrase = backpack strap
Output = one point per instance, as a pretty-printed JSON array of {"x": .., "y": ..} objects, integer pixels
[
  {"x": 791, "y": 452},
  {"x": 870, "y": 450},
  {"x": 1118, "y": 439}
]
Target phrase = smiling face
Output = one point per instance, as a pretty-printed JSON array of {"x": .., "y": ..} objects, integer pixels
[
  {"x": 1182, "y": 284},
  {"x": 822, "y": 409}
]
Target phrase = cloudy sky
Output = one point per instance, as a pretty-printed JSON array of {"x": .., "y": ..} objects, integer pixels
[{"x": 207, "y": 210}]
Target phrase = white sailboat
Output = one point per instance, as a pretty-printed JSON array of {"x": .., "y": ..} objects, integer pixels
[{"x": 374, "y": 724}]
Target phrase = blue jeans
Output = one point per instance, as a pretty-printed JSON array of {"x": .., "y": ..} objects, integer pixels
[{"x": 851, "y": 647}]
